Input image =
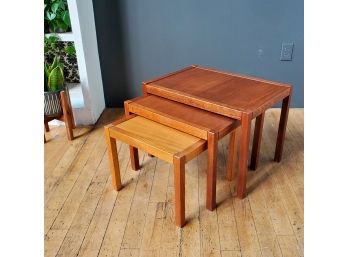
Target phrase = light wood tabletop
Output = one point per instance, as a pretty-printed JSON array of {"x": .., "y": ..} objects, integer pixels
[
  {"x": 194, "y": 121},
  {"x": 233, "y": 95}
]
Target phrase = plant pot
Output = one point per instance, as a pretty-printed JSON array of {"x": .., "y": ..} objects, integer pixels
[{"x": 52, "y": 104}]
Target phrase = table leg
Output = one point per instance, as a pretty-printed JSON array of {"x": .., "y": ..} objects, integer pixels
[
  {"x": 47, "y": 128},
  {"x": 113, "y": 160},
  {"x": 44, "y": 135},
  {"x": 282, "y": 129},
  {"x": 67, "y": 115},
  {"x": 179, "y": 183},
  {"x": 232, "y": 156},
  {"x": 133, "y": 151},
  {"x": 211, "y": 172},
  {"x": 255, "y": 154},
  {"x": 134, "y": 157},
  {"x": 243, "y": 155}
]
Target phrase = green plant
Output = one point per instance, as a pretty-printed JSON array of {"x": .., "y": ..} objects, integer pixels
[
  {"x": 54, "y": 75},
  {"x": 51, "y": 47},
  {"x": 70, "y": 50},
  {"x": 57, "y": 17}
]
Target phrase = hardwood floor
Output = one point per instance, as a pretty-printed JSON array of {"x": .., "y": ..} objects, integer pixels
[{"x": 84, "y": 216}]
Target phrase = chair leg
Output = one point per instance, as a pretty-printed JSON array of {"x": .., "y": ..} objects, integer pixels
[
  {"x": 232, "y": 156},
  {"x": 179, "y": 182},
  {"x": 134, "y": 157},
  {"x": 113, "y": 160},
  {"x": 67, "y": 115}
]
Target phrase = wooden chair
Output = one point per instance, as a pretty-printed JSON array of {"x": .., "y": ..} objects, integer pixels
[
  {"x": 66, "y": 117},
  {"x": 159, "y": 140},
  {"x": 194, "y": 121}
]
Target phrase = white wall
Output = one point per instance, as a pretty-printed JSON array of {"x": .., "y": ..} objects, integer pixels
[{"x": 84, "y": 34}]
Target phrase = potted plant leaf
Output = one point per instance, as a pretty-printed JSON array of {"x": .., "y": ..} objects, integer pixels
[
  {"x": 54, "y": 73},
  {"x": 57, "y": 18},
  {"x": 54, "y": 84}
]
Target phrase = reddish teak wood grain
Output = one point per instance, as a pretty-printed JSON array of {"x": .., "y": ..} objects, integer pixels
[
  {"x": 257, "y": 141},
  {"x": 194, "y": 121},
  {"x": 233, "y": 95}
]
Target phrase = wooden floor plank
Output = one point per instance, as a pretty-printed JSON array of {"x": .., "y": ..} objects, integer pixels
[
  {"x": 96, "y": 231},
  {"x": 112, "y": 240},
  {"x": 209, "y": 228},
  {"x": 151, "y": 241},
  {"x": 73, "y": 239},
  {"x": 53, "y": 241},
  {"x": 294, "y": 210},
  {"x": 231, "y": 254},
  {"x": 160, "y": 182},
  {"x": 53, "y": 177},
  {"x": 284, "y": 187},
  {"x": 74, "y": 170},
  {"x": 94, "y": 236},
  {"x": 226, "y": 218},
  {"x": 81, "y": 199},
  {"x": 275, "y": 207},
  {"x": 263, "y": 224},
  {"x": 71, "y": 204},
  {"x": 248, "y": 238},
  {"x": 288, "y": 245},
  {"x": 294, "y": 166},
  {"x": 84, "y": 216},
  {"x": 137, "y": 215},
  {"x": 55, "y": 146},
  {"x": 57, "y": 198},
  {"x": 190, "y": 242},
  {"x": 171, "y": 235},
  {"x": 129, "y": 253}
]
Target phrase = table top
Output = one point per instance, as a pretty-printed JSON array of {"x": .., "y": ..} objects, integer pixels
[
  {"x": 221, "y": 92},
  {"x": 164, "y": 141},
  {"x": 189, "y": 118}
]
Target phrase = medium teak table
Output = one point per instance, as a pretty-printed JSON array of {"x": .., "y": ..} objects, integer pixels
[{"x": 236, "y": 96}]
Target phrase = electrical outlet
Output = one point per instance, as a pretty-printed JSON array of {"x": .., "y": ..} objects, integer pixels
[{"x": 286, "y": 53}]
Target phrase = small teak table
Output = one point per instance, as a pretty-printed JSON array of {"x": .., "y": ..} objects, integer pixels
[
  {"x": 193, "y": 121},
  {"x": 166, "y": 143},
  {"x": 236, "y": 96}
]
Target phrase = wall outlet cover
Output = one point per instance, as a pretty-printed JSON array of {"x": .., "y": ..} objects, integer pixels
[{"x": 286, "y": 53}]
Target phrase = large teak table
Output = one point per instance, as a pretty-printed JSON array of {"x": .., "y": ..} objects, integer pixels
[{"x": 236, "y": 96}]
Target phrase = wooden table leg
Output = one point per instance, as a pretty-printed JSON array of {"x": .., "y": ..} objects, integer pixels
[
  {"x": 282, "y": 129},
  {"x": 243, "y": 155},
  {"x": 134, "y": 157},
  {"x": 255, "y": 154},
  {"x": 113, "y": 161},
  {"x": 47, "y": 128},
  {"x": 133, "y": 151},
  {"x": 67, "y": 115},
  {"x": 70, "y": 107},
  {"x": 211, "y": 172},
  {"x": 231, "y": 156},
  {"x": 44, "y": 135},
  {"x": 179, "y": 183}
]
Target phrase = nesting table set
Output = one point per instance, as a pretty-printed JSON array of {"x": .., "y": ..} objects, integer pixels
[{"x": 183, "y": 113}]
